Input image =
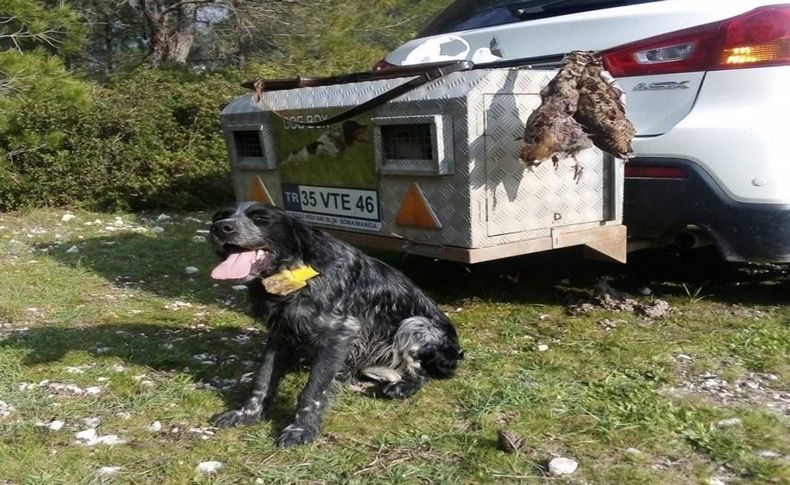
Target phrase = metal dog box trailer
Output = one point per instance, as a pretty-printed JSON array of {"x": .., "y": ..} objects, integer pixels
[{"x": 433, "y": 172}]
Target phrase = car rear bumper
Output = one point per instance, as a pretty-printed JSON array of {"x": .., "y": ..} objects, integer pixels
[{"x": 656, "y": 208}]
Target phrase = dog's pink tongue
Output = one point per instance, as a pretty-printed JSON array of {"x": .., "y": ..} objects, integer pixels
[{"x": 235, "y": 267}]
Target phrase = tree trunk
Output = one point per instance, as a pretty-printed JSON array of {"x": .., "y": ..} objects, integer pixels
[
  {"x": 109, "y": 63},
  {"x": 171, "y": 31},
  {"x": 169, "y": 46}
]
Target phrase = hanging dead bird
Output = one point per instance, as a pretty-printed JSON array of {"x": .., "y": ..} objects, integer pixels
[
  {"x": 580, "y": 107},
  {"x": 601, "y": 110}
]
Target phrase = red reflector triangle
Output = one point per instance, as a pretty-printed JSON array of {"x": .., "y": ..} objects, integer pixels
[
  {"x": 258, "y": 191},
  {"x": 415, "y": 211}
]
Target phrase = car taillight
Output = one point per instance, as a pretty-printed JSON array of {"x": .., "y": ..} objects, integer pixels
[
  {"x": 654, "y": 172},
  {"x": 382, "y": 64},
  {"x": 757, "y": 38}
]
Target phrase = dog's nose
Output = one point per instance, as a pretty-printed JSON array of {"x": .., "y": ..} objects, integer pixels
[{"x": 223, "y": 228}]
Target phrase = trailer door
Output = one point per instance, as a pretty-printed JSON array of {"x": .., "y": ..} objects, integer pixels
[{"x": 519, "y": 200}]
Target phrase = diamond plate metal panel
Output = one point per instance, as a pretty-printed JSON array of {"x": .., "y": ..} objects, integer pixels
[{"x": 555, "y": 198}]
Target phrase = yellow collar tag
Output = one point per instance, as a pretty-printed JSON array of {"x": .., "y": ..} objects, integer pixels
[{"x": 289, "y": 280}]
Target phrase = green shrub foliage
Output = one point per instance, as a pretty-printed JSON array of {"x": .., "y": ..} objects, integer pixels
[
  {"x": 80, "y": 126},
  {"x": 149, "y": 140}
]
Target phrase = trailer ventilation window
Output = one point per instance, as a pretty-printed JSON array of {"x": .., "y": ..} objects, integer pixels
[
  {"x": 248, "y": 144},
  {"x": 407, "y": 142},
  {"x": 414, "y": 145}
]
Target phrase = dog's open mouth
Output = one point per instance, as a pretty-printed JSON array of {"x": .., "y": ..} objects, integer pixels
[{"x": 241, "y": 264}]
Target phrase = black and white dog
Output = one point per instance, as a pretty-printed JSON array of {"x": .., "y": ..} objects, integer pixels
[{"x": 358, "y": 319}]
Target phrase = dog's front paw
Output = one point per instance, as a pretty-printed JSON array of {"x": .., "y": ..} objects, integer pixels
[
  {"x": 235, "y": 417},
  {"x": 294, "y": 435}
]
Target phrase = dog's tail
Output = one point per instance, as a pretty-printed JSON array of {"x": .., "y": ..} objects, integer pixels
[{"x": 425, "y": 345}]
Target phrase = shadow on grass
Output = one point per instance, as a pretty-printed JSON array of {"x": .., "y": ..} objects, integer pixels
[
  {"x": 156, "y": 265},
  {"x": 162, "y": 349},
  {"x": 557, "y": 276}
]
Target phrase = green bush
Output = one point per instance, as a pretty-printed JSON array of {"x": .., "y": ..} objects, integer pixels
[{"x": 151, "y": 139}]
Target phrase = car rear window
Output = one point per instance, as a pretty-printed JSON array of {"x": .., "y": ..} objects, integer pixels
[{"x": 475, "y": 14}]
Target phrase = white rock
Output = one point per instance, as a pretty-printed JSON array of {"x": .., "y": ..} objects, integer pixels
[
  {"x": 118, "y": 222},
  {"x": 73, "y": 250},
  {"x": 199, "y": 239},
  {"x": 562, "y": 466},
  {"x": 93, "y": 390},
  {"x": 716, "y": 481},
  {"x": 5, "y": 409},
  {"x": 542, "y": 347},
  {"x": 633, "y": 451},
  {"x": 191, "y": 270},
  {"x": 645, "y": 291},
  {"x": 74, "y": 370},
  {"x": 91, "y": 422},
  {"x": 203, "y": 231},
  {"x": 58, "y": 386},
  {"x": 155, "y": 427},
  {"x": 768, "y": 454},
  {"x": 68, "y": 217},
  {"x": 177, "y": 305},
  {"x": 158, "y": 230},
  {"x": 240, "y": 288},
  {"x": 88, "y": 435},
  {"x": 163, "y": 217},
  {"x": 726, "y": 423},
  {"x": 208, "y": 467},
  {"x": 109, "y": 470},
  {"x": 242, "y": 339},
  {"x": 56, "y": 425},
  {"x": 118, "y": 368},
  {"x": 110, "y": 439}
]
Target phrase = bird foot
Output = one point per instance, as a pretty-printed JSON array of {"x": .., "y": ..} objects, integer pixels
[{"x": 578, "y": 170}]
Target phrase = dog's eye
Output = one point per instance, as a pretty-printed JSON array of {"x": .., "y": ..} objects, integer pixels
[{"x": 260, "y": 218}]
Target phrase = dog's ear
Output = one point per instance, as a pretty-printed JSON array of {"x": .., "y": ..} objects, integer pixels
[{"x": 301, "y": 236}]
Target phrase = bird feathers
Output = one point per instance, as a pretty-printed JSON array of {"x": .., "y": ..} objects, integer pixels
[{"x": 580, "y": 107}]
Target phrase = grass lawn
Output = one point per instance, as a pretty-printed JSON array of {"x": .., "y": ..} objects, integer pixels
[{"x": 100, "y": 327}]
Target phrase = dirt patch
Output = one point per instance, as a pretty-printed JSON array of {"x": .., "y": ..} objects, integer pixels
[
  {"x": 754, "y": 389},
  {"x": 607, "y": 298}
]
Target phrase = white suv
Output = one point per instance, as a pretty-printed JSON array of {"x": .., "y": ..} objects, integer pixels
[{"x": 708, "y": 86}]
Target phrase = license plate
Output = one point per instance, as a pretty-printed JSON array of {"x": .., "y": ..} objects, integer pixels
[{"x": 334, "y": 206}]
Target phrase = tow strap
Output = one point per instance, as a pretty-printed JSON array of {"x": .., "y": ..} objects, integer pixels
[{"x": 424, "y": 77}]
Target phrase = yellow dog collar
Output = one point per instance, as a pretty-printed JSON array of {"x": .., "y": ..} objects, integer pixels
[{"x": 289, "y": 280}]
